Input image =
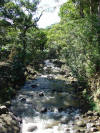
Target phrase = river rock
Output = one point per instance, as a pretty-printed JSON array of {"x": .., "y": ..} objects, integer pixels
[
  {"x": 65, "y": 120},
  {"x": 54, "y": 90},
  {"x": 8, "y": 124},
  {"x": 96, "y": 114},
  {"x": 60, "y": 109},
  {"x": 23, "y": 99},
  {"x": 89, "y": 113},
  {"x": 41, "y": 94},
  {"x": 43, "y": 110},
  {"x": 96, "y": 118},
  {"x": 8, "y": 104},
  {"x": 62, "y": 72},
  {"x": 67, "y": 129},
  {"x": 94, "y": 129},
  {"x": 3, "y": 110},
  {"x": 80, "y": 131},
  {"x": 31, "y": 129},
  {"x": 81, "y": 123},
  {"x": 33, "y": 86}
]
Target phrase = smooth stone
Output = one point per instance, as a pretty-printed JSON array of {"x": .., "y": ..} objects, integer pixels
[{"x": 31, "y": 129}]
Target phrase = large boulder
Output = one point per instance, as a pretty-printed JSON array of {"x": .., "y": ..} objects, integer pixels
[{"x": 9, "y": 124}]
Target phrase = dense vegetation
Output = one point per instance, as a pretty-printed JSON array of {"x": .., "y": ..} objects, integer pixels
[
  {"x": 21, "y": 41},
  {"x": 76, "y": 39}
]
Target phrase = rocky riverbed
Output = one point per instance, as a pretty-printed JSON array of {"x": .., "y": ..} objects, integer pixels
[
  {"x": 49, "y": 103},
  {"x": 8, "y": 122}
]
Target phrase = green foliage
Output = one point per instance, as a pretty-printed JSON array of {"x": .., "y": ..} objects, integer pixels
[
  {"x": 75, "y": 39},
  {"x": 21, "y": 42}
]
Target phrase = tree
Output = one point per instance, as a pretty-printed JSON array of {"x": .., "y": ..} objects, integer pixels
[{"x": 20, "y": 14}]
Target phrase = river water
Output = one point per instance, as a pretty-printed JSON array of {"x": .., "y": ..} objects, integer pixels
[{"x": 47, "y": 104}]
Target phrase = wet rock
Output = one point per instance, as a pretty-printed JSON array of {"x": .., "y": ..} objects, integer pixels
[
  {"x": 58, "y": 63},
  {"x": 3, "y": 110},
  {"x": 60, "y": 109},
  {"x": 33, "y": 86},
  {"x": 23, "y": 99},
  {"x": 50, "y": 77},
  {"x": 65, "y": 120},
  {"x": 18, "y": 119},
  {"x": 81, "y": 123},
  {"x": 31, "y": 129},
  {"x": 54, "y": 90},
  {"x": 43, "y": 110},
  {"x": 8, "y": 104},
  {"x": 41, "y": 94}
]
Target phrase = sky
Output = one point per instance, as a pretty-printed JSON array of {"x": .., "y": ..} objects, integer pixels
[{"x": 50, "y": 16}]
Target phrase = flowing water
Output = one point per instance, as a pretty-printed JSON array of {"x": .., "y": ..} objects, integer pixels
[{"x": 47, "y": 104}]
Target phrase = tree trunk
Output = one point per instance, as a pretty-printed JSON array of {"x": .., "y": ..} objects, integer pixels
[
  {"x": 93, "y": 7},
  {"x": 81, "y": 10}
]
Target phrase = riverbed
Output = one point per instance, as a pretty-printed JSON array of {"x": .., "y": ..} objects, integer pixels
[{"x": 49, "y": 104}]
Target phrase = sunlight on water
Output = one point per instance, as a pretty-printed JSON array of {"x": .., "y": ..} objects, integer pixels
[{"x": 44, "y": 110}]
